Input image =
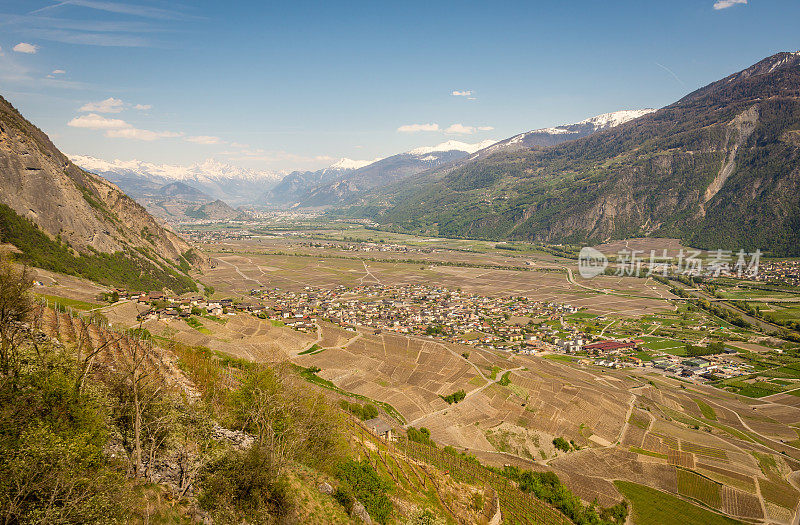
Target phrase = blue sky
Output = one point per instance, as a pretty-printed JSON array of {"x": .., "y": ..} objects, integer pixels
[{"x": 288, "y": 85}]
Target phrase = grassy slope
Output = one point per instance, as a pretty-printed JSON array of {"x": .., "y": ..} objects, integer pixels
[{"x": 651, "y": 506}]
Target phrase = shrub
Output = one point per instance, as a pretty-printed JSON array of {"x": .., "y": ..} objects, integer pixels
[
  {"x": 561, "y": 444},
  {"x": 365, "y": 485},
  {"x": 455, "y": 397},
  {"x": 245, "y": 485},
  {"x": 52, "y": 437},
  {"x": 423, "y": 435}
]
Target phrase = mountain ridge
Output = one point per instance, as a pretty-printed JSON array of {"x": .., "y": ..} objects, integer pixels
[
  {"x": 649, "y": 176},
  {"x": 65, "y": 219}
]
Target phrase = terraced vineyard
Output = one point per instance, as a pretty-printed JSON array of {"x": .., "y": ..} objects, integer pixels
[
  {"x": 697, "y": 487},
  {"x": 118, "y": 351}
]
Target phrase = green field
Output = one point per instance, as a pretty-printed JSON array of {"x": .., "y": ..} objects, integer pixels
[
  {"x": 706, "y": 409},
  {"x": 648, "y": 452},
  {"x": 755, "y": 390},
  {"x": 653, "y": 507},
  {"x": 661, "y": 344},
  {"x": 740, "y": 294},
  {"x": 560, "y": 357},
  {"x": 195, "y": 323},
  {"x": 782, "y": 311},
  {"x": 75, "y": 304},
  {"x": 699, "y": 488}
]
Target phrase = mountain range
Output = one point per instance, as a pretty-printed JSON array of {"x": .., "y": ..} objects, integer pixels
[
  {"x": 160, "y": 186},
  {"x": 333, "y": 186},
  {"x": 720, "y": 168},
  {"x": 210, "y": 179},
  {"x": 62, "y": 218},
  {"x": 337, "y": 185}
]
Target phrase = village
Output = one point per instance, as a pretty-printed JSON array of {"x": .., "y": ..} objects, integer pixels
[{"x": 512, "y": 324}]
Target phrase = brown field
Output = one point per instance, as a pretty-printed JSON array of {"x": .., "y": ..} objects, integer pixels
[
  {"x": 779, "y": 493},
  {"x": 66, "y": 286},
  {"x": 241, "y": 335},
  {"x": 238, "y": 273},
  {"x": 644, "y": 244},
  {"x": 700, "y": 450},
  {"x": 738, "y": 503},
  {"x": 729, "y": 477},
  {"x": 601, "y": 410},
  {"x": 680, "y": 459}
]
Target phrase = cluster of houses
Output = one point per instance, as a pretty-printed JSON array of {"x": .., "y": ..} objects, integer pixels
[
  {"x": 470, "y": 318},
  {"x": 721, "y": 366},
  {"x": 779, "y": 272},
  {"x": 619, "y": 354},
  {"x": 366, "y": 247},
  {"x": 163, "y": 307},
  {"x": 502, "y": 323}
]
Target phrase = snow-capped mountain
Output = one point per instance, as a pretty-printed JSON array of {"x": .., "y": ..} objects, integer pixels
[
  {"x": 350, "y": 164},
  {"x": 232, "y": 184},
  {"x": 452, "y": 145},
  {"x": 345, "y": 179},
  {"x": 558, "y": 134}
]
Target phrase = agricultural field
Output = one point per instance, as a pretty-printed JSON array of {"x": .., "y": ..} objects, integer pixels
[
  {"x": 241, "y": 266},
  {"x": 654, "y": 507},
  {"x": 729, "y": 448}
]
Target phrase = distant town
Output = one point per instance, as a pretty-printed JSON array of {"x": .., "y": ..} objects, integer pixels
[{"x": 512, "y": 324}]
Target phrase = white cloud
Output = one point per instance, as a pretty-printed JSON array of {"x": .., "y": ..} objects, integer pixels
[
  {"x": 140, "y": 134},
  {"x": 24, "y": 47},
  {"x": 118, "y": 128},
  {"x": 142, "y": 107},
  {"x": 109, "y": 105},
  {"x": 95, "y": 121},
  {"x": 461, "y": 129},
  {"x": 58, "y": 72},
  {"x": 457, "y": 93},
  {"x": 413, "y": 128},
  {"x": 239, "y": 145},
  {"x": 205, "y": 139},
  {"x": 725, "y": 4}
]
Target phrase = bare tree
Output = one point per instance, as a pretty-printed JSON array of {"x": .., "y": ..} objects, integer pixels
[
  {"x": 142, "y": 388},
  {"x": 15, "y": 306},
  {"x": 86, "y": 362}
]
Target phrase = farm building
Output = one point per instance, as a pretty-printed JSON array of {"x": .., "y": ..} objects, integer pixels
[{"x": 381, "y": 428}]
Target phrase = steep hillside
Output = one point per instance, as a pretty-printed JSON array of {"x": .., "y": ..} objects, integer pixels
[
  {"x": 351, "y": 187},
  {"x": 718, "y": 168},
  {"x": 65, "y": 219}
]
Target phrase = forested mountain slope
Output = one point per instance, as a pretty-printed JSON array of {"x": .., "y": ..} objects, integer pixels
[{"x": 720, "y": 168}]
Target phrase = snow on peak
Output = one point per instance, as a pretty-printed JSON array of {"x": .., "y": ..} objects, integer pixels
[
  {"x": 350, "y": 164},
  {"x": 610, "y": 120},
  {"x": 453, "y": 145},
  {"x": 598, "y": 122},
  {"x": 209, "y": 169}
]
